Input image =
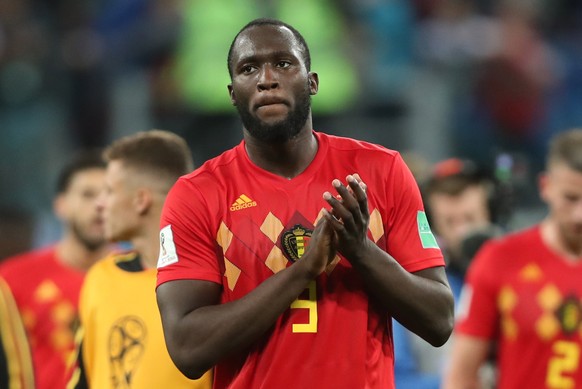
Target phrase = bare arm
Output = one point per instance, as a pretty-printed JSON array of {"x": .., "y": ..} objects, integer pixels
[
  {"x": 467, "y": 357},
  {"x": 422, "y": 301},
  {"x": 199, "y": 331}
]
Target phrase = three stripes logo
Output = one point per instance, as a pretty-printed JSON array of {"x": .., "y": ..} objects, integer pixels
[{"x": 242, "y": 202}]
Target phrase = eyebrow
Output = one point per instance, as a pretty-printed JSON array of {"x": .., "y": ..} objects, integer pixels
[{"x": 275, "y": 54}]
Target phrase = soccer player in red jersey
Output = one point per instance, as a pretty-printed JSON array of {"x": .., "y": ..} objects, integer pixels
[
  {"x": 283, "y": 260},
  {"x": 524, "y": 291},
  {"x": 45, "y": 283}
]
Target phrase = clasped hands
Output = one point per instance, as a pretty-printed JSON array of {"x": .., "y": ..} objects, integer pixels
[{"x": 343, "y": 228}]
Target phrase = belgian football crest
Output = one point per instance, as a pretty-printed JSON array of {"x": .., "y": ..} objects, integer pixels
[
  {"x": 570, "y": 315},
  {"x": 294, "y": 241}
]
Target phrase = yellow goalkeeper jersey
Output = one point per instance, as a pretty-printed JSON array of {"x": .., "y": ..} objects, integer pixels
[{"x": 121, "y": 343}]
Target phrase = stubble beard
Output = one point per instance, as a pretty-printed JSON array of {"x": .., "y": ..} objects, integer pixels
[
  {"x": 91, "y": 243},
  {"x": 281, "y": 131},
  {"x": 571, "y": 239}
]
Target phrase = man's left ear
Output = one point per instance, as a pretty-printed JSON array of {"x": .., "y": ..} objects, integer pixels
[
  {"x": 313, "y": 83},
  {"x": 543, "y": 185},
  {"x": 143, "y": 200}
]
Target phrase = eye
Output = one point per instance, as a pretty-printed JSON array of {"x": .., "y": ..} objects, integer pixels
[
  {"x": 571, "y": 198},
  {"x": 89, "y": 194},
  {"x": 283, "y": 64},
  {"x": 246, "y": 69}
]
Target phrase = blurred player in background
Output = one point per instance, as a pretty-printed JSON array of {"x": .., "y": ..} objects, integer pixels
[
  {"x": 45, "y": 283},
  {"x": 121, "y": 339},
  {"x": 523, "y": 291},
  {"x": 461, "y": 201}
]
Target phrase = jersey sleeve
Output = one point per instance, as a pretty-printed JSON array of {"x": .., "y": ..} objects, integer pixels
[
  {"x": 15, "y": 359},
  {"x": 477, "y": 311},
  {"x": 188, "y": 248},
  {"x": 409, "y": 237}
]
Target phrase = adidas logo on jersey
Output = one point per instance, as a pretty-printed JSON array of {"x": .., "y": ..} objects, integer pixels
[{"x": 242, "y": 202}]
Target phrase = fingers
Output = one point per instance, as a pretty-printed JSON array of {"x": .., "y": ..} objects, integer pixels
[
  {"x": 359, "y": 189},
  {"x": 351, "y": 203},
  {"x": 338, "y": 210},
  {"x": 361, "y": 183},
  {"x": 332, "y": 221},
  {"x": 356, "y": 189}
]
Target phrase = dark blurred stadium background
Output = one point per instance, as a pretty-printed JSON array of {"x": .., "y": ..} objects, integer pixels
[{"x": 489, "y": 80}]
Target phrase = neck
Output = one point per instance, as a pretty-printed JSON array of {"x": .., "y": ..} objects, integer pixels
[
  {"x": 147, "y": 243},
  {"x": 551, "y": 235},
  {"x": 74, "y": 254},
  {"x": 288, "y": 159}
]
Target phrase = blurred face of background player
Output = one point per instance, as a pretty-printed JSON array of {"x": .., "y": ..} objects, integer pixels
[
  {"x": 77, "y": 207},
  {"x": 119, "y": 202},
  {"x": 271, "y": 87},
  {"x": 561, "y": 189},
  {"x": 455, "y": 216}
]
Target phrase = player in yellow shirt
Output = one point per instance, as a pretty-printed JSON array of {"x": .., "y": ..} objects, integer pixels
[{"x": 121, "y": 338}]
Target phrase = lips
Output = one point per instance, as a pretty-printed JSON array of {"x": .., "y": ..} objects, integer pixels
[
  {"x": 98, "y": 221},
  {"x": 270, "y": 100}
]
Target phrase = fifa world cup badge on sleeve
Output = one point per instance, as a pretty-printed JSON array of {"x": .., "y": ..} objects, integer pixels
[
  {"x": 426, "y": 237},
  {"x": 167, "y": 248}
]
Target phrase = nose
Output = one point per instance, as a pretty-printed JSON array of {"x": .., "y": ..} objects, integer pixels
[
  {"x": 100, "y": 201},
  {"x": 577, "y": 212},
  {"x": 267, "y": 78}
]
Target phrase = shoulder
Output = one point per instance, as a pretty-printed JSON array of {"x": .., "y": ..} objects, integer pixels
[
  {"x": 216, "y": 168},
  {"x": 372, "y": 161},
  {"x": 31, "y": 259},
  {"x": 110, "y": 263},
  {"x": 210, "y": 177},
  {"x": 506, "y": 251},
  {"x": 351, "y": 145},
  {"x": 513, "y": 240}
]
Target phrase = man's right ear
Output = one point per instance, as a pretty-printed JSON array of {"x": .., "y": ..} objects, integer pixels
[
  {"x": 231, "y": 94},
  {"x": 60, "y": 206}
]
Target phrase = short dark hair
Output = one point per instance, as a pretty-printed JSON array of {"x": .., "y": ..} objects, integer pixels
[
  {"x": 156, "y": 151},
  {"x": 453, "y": 176},
  {"x": 81, "y": 161},
  {"x": 271, "y": 22},
  {"x": 566, "y": 147}
]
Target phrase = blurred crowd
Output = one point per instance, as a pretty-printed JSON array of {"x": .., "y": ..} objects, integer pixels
[{"x": 492, "y": 80}]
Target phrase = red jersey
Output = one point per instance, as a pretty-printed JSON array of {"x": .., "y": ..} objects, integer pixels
[
  {"x": 235, "y": 224},
  {"x": 528, "y": 298},
  {"x": 47, "y": 294}
]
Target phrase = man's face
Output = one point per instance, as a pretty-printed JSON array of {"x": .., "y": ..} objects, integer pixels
[
  {"x": 454, "y": 217},
  {"x": 271, "y": 88},
  {"x": 118, "y": 203},
  {"x": 561, "y": 189},
  {"x": 78, "y": 209}
]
